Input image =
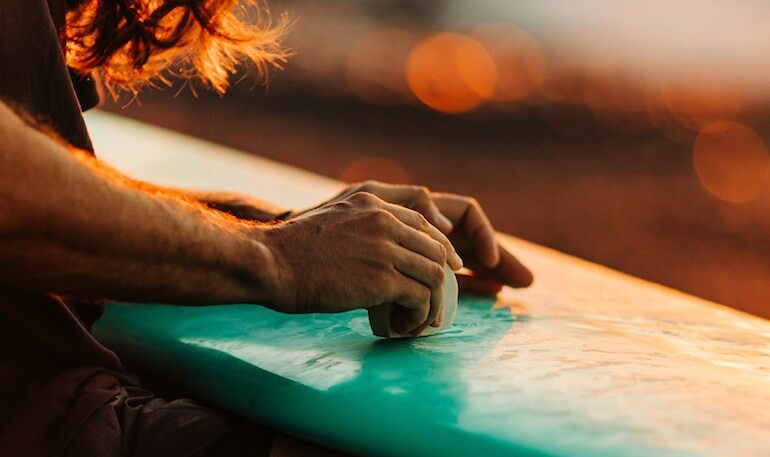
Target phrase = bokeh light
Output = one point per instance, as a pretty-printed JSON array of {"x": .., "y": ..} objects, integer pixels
[
  {"x": 378, "y": 168},
  {"x": 662, "y": 121},
  {"x": 518, "y": 59},
  {"x": 375, "y": 66},
  {"x": 451, "y": 73},
  {"x": 731, "y": 161},
  {"x": 700, "y": 100}
]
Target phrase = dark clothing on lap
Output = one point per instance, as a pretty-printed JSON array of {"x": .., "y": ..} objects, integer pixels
[
  {"x": 61, "y": 392},
  {"x": 136, "y": 423},
  {"x": 53, "y": 374}
]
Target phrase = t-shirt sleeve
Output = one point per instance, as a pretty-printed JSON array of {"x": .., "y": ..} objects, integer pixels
[
  {"x": 33, "y": 74},
  {"x": 87, "y": 89}
]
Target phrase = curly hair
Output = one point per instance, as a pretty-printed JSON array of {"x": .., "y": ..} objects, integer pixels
[{"x": 136, "y": 42}]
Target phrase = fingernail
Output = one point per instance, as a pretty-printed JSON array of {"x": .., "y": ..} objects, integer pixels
[{"x": 459, "y": 261}]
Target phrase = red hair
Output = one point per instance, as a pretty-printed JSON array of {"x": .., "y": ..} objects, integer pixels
[{"x": 132, "y": 42}]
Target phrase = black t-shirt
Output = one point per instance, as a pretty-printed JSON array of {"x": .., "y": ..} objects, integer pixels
[
  {"x": 33, "y": 74},
  {"x": 53, "y": 373}
]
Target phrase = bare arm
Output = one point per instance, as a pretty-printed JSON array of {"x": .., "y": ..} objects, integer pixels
[
  {"x": 69, "y": 226},
  {"x": 241, "y": 206}
]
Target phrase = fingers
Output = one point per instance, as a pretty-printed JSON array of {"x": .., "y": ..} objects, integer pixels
[
  {"x": 474, "y": 232},
  {"x": 417, "y": 198},
  {"x": 477, "y": 227},
  {"x": 473, "y": 224},
  {"x": 482, "y": 235},
  {"x": 413, "y": 219},
  {"x": 414, "y": 302},
  {"x": 420, "y": 243},
  {"x": 417, "y": 221},
  {"x": 472, "y": 284},
  {"x": 430, "y": 274},
  {"x": 509, "y": 270}
]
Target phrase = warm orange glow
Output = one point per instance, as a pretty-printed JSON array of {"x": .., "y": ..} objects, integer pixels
[
  {"x": 699, "y": 101},
  {"x": 518, "y": 59},
  {"x": 565, "y": 85},
  {"x": 616, "y": 104},
  {"x": 378, "y": 168},
  {"x": 731, "y": 161},
  {"x": 661, "y": 119},
  {"x": 451, "y": 73},
  {"x": 375, "y": 66}
]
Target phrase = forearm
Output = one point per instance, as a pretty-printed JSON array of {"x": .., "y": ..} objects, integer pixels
[
  {"x": 68, "y": 226},
  {"x": 241, "y": 206},
  {"x": 244, "y": 207}
]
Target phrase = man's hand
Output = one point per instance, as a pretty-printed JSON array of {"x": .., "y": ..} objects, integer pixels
[
  {"x": 359, "y": 252},
  {"x": 468, "y": 227},
  {"x": 241, "y": 206},
  {"x": 491, "y": 265}
]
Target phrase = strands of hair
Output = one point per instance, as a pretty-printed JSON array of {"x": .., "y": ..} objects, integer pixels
[{"x": 133, "y": 43}]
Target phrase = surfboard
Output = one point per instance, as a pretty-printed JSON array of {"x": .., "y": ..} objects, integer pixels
[{"x": 588, "y": 362}]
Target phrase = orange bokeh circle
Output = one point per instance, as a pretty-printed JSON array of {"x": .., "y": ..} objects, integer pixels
[
  {"x": 731, "y": 161},
  {"x": 451, "y": 73}
]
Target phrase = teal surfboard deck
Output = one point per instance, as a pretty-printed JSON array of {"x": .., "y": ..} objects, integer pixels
[
  {"x": 502, "y": 381},
  {"x": 324, "y": 376}
]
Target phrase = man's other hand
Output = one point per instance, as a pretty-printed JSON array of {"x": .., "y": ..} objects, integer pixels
[
  {"x": 464, "y": 221},
  {"x": 241, "y": 206}
]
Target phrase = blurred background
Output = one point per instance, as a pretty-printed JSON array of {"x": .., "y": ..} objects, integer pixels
[{"x": 630, "y": 133}]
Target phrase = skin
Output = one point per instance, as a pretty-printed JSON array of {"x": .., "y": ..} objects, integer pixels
[
  {"x": 372, "y": 244},
  {"x": 490, "y": 266},
  {"x": 468, "y": 227}
]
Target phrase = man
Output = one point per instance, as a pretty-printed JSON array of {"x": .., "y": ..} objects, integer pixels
[{"x": 73, "y": 232}]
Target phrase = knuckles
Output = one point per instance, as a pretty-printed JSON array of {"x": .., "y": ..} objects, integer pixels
[
  {"x": 423, "y": 295},
  {"x": 422, "y": 193},
  {"x": 342, "y": 205},
  {"x": 419, "y": 220},
  {"x": 436, "y": 274},
  {"x": 418, "y": 295},
  {"x": 442, "y": 253},
  {"x": 384, "y": 251},
  {"x": 381, "y": 218},
  {"x": 369, "y": 185},
  {"x": 363, "y": 199}
]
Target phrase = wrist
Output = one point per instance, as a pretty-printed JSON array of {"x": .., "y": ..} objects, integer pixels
[
  {"x": 281, "y": 281},
  {"x": 253, "y": 266}
]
